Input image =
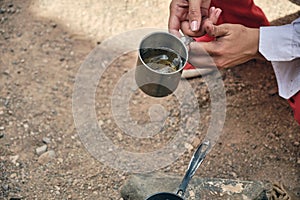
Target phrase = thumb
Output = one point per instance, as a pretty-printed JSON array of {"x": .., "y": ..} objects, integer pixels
[{"x": 217, "y": 30}]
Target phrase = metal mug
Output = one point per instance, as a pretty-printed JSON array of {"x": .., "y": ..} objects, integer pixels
[{"x": 153, "y": 82}]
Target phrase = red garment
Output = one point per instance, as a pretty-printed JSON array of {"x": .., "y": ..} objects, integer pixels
[
  {"x": 240, "y": 12},
  {"x": 295, "y": 104}
]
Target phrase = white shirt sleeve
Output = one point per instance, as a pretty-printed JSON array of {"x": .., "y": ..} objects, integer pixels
[
  {"x": 280, "y": 43},
  {"x": 281, "y": 46},
  {"x": 288, "y": 77}
]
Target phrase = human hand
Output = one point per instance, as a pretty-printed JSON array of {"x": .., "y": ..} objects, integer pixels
[
  {"x": 234, "y": 45},
  {"x": 189, "y": 17}
]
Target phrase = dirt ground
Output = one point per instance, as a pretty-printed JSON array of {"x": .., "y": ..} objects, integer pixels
[{"x": 39, "y": 59}]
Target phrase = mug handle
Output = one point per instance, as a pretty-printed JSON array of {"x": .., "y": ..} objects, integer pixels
[{"x": 187, "y": 40}]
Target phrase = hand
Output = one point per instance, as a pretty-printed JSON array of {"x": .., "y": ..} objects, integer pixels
[
  {"x": 189, "y": 16},
  {"x": 234, "y": 45}
]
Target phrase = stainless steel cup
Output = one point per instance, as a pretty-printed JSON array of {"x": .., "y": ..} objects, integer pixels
[{"x": 152, "y": 82}]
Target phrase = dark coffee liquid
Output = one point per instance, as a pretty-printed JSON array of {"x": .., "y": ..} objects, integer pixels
[{"x": 162, "y": 60}]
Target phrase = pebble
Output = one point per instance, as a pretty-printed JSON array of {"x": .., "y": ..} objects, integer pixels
[
  {"x": 192, "y": 194},
  {"x": 46, "y": 157},
  {"x": 188, "y": 146},
  {"x": 13, "y": 175},
  {"x": 296, "y": 144},
  {"x": 101, "y": 122},
  {"x": 234, "y": 174},
  {"x": 1, "y": 135},
  {"x": 14, "y": 159},
  {"x": 46, "y": 140},
  {"x": 196, "y": 142},
  {"x": 6, "y": 72},
  {"x": 40, "y": 150},
  {"x": 26, "y": 126},
  {"x": 54, "y": 25},
  {"x": 5, "y": 187},
  {"x": 272, "y": 91}
]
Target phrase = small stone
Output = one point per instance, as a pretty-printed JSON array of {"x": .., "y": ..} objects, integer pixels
[
  {"x": 272, "y": 91},
  {"x": 14, "y": 159},
  {"x": 188, "y": 146},
  {"x": 101, "y": 122},
  {"x": 13, "y": 175},
  {"x": 1, "y": 135},
  {"x": 26, "y": 126},
  {"x": 196, "y": 142},
  {"x": 53, "y": 25},
  {"x": 57, "y": 187},
  {"x": 298, "y": 161},
  {"x": 234, "y": 174},
  {"x": 46, "y": 157},
  {"x": 296, "y": 144},
  {"x": 192, "y": 194},
  {"x": 60, "y": 160},
  {"x": 2, "y": 128},
  {"x": 46, "y": 140},
  {"x": 40, "y": 150},
  {"x": 5, "y": 187}
]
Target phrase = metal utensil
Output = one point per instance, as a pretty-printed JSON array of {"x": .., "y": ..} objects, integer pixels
[{"x": 194, "y": 164}]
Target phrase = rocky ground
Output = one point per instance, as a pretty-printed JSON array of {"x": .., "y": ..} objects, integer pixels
[{"x": 41, "y": 154}]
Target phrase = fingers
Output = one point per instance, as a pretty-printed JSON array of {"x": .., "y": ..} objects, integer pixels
[
  {"x": 195, "y": 14},
  {"x": 174, "y": 26},
  {"x": 187, "y": 15},
  {"x": 214, "y": 14},
  {"x": 217, "y": 31},
  {"x": 178, "y": 12},
  {"x": 208, "y": 23}
]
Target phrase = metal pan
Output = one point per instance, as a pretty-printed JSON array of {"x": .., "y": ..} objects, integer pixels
[{"x": 195, "y": 162}]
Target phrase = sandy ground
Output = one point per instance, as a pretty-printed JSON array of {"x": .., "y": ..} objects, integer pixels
[{"x": 44, "y": 43}]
